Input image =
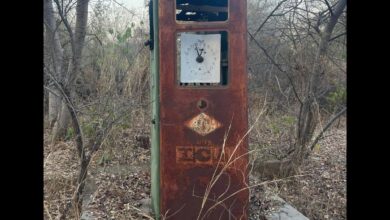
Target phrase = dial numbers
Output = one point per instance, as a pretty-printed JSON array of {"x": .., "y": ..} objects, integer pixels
[{"x": 200, "y": 58}]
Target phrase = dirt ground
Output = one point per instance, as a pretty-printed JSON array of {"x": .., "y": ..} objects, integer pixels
[
  {"x": 318, "y": 191},
  {"x": 118, "y": 183}
]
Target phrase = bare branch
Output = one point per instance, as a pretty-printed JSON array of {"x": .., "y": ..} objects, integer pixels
[
  {"x": 268, "y": 17},
  {"x": 69, "y": 6},
  {"x": 96, "y": 37},
  {"x": 64, "y": 20},
  {"x": 124, "y": 7},
  {"x": 71, "y": 108},
  {"x": 326, "y": 127},
  {"x": 329, "y": 7},
  {"x": 337, "y": 36},
  {"x": 52, "y": 91},
  {"x": 277, "y": 66}
]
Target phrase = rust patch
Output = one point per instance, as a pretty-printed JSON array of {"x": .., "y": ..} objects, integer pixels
[{"x": 203, "y": 124}]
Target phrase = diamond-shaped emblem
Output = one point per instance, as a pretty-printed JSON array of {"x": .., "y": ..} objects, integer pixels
[{"x": 203, "y": 124}]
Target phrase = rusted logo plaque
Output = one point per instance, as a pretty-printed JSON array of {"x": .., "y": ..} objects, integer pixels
[{"x": 203, "y": 124}]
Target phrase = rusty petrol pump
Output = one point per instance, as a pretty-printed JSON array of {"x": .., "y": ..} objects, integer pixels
[{"x": 199, "y": 107}]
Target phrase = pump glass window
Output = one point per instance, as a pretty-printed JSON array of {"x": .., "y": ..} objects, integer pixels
[
  {"x": 202, "y": 58},
  {"x": 201, "y": 10}
]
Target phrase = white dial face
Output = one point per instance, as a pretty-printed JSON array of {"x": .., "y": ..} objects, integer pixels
[{"x": 200, "y": 56}]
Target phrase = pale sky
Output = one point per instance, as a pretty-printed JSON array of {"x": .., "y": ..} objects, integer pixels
[{"x": 135, "y": 4}]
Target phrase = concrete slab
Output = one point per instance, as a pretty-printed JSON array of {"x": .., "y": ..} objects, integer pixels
[{"x": 285, "y": 212}]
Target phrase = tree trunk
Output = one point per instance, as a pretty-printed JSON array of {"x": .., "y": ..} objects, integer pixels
[
  {"x": 61, "y": 125},
  {"x": 64, "y": 80},
  {"x": 63, "y": 119},
  {"x": 55, "y": 53},
  {"x": 308, "y": 115},
  {"x": 54, "y": 107},
  {"x": 68, "y": 77},
  {"x": 78, "y": 40},
  {"x": 307, "y": 123}
]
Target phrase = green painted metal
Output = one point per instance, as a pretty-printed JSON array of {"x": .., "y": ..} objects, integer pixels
[{"x": 155, "y": 133}]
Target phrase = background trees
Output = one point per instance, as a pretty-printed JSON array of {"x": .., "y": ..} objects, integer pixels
[
  {"x": 95, "y": 68},
  {"x": 96, "y": 72},
  {"x": 298, "y": 58},
  {"x": 65, "y": 60}
]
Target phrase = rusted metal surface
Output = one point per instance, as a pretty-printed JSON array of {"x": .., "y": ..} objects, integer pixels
[{"x": 192, "y": 145}]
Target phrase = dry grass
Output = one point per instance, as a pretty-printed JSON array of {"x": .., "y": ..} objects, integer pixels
[
  {"x": 321, "y": 194},
  {"x": 60, "y": 173},
  {"x": 120, "y": 188}
]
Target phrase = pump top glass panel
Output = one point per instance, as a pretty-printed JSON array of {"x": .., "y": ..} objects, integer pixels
[{"x": 201, "y": 10}]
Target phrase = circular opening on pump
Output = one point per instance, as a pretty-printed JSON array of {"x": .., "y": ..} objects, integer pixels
[{"x": 202, "y": 104}]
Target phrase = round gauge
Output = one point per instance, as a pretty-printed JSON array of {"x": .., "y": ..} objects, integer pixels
[{"x": 200, "y": 58}]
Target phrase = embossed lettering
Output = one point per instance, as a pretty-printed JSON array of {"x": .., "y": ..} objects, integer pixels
[{"x": 202, "y": 154}]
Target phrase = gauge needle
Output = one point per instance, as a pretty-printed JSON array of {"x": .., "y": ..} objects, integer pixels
[{"x": 199, "y": 58}]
